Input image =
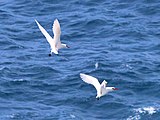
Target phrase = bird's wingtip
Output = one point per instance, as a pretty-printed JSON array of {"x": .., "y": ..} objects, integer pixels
[
  {"x": 36, "y": 21},
  {"x": 56, "y": 19},
  {"x": 105, "y": 81},
  {"x": 81, "y": 74}
]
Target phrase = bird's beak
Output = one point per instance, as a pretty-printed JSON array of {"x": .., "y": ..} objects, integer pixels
[
  {"x": 115, "y": 88},
  {"x": 67, "y": 46}
]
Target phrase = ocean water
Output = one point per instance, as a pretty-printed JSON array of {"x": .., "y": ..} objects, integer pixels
[{"x": 115, "y": 40}]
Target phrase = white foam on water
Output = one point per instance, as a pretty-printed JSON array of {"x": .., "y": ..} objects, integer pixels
[
  {"x": 18, "y": 80},
  {"x": 12, "y": 116},
  {"x": 136, "y": 117},
  {"x": 140, "y": 111},
  {"x": 72, "y": 116},
  {"x": 148, "y": 110},
  {"x": 128, "y": 66},
  {"x": 96, "y": 65},
  {"x": 1, "y": 68}
]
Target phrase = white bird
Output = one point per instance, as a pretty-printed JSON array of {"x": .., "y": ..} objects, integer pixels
[
  {"x": 101, "y": 88},
  {"x": 54, "y": 42}
]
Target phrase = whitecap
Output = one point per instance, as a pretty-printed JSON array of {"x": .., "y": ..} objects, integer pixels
[
  {"x": 128, "y": 66},
  {"x": 72, "y": 116},
  {"x": 148, "y": 110},
  {"x": 96, "y": 65},
  {"x": 136, "y": 117},
  {"x": 19, "y": 80},
  {"x": 141, "y": 111}
]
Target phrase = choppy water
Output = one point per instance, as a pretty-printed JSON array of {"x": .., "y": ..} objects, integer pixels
[{"x": 122, "y": 37}]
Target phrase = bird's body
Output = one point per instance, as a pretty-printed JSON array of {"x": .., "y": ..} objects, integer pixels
[
  {"x": 55, "y": 43},
  {"x": 101, "y": 88}
]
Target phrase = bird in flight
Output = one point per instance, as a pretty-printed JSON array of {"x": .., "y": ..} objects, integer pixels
[
  {"x": 55, "y": 42},
  {"x": 101, "y": 88}
]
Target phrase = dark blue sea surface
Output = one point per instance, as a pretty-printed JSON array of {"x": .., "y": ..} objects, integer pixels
[{"x": 121, "y": 36}]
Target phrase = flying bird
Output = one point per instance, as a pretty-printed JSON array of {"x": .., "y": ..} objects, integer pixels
[
  {"x": 101, "y": 88},
  {"x": 55, "y": 43}
]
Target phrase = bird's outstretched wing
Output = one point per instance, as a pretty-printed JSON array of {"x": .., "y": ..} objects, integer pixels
[
  {"x": 45, "y": 33},
  {"x": 57, "y": 32},
  {"x": 91, "y": 80}
]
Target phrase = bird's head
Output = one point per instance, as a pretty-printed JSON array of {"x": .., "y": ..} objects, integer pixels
[
  {"x": 109, "y": 89},
  {"x": 113, "y": 88},
  {"x": 64, "y": 46}
]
